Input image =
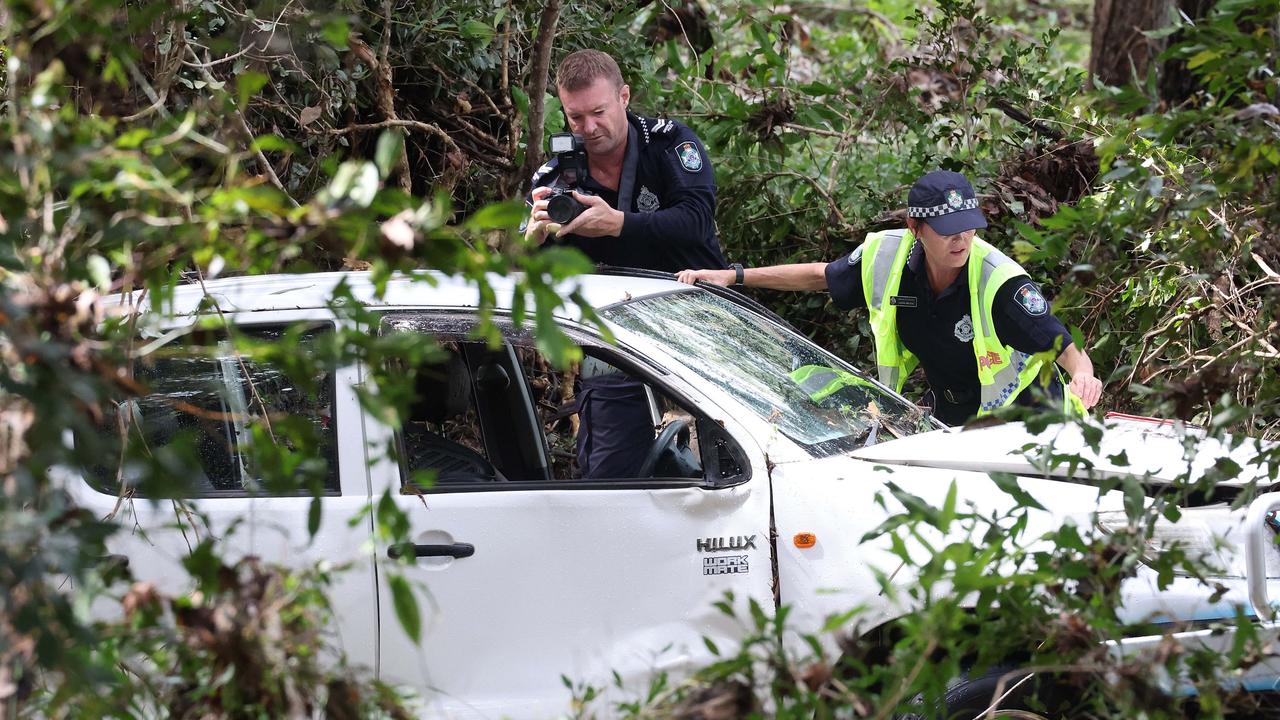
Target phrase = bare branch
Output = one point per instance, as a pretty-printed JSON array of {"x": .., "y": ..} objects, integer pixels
[
  {"x": 538, "y": 85},
  {"x": 1013, "y": 112},
  {"x": 812, "y": 182},
  {"x": 385, "y": 96},
  {"x": 427, "y": 128}
]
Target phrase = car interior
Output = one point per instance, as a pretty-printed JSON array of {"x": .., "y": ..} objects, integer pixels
[{"x": 483, "y": 416}]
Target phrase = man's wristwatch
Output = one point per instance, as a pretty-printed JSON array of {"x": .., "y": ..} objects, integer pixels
[{"x": 737, "y": 273}]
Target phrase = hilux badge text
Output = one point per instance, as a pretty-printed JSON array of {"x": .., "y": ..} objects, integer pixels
[{"x": 718, "y": 544}]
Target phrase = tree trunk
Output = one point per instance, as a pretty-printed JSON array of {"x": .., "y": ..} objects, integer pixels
[
  {"x": 537, "y": 88},
  {"x": 1121, "y": 53},
  {"x": 1176, "y": 82}
]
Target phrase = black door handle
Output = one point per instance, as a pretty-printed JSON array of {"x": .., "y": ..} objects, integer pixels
[{"x": 456, "y": 550}]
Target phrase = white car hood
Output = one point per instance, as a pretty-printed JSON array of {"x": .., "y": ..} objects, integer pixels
[{"x": 1166, "y": 452}]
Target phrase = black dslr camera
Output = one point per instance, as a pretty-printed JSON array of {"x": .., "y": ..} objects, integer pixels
[{"x": 571, "y": 159}]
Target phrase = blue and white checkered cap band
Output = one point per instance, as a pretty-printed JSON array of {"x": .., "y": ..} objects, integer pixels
[{"x": 943, "y": 209}]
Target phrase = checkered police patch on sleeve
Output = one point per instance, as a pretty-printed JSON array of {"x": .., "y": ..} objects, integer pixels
[
  {"x": 690, "y": 156},
  {"x": 1030, "y": 300}
]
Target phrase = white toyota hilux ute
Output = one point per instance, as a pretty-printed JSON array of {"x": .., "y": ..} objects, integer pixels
[{"x": 768, "y": 455}]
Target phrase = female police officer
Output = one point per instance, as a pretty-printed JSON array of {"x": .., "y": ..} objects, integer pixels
[{"x": 943, "y": 298}]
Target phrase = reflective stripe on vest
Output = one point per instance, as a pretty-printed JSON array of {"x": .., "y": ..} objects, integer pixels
[
  {"x": 1007, "y": 371},
  {"x": 820, "y": 382},
  {"x": 884, "y": 257},
  {"x": 1002, "y": 371}
]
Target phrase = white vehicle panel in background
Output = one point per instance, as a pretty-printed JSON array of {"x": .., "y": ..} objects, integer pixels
[
  {"x": 1127, "y": 448},
  {"x": 835, "y": 499}
]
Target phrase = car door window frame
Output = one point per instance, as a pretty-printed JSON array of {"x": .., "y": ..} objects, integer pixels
[
  {"x": 249, "y": 323},
  {"x": 452, "y": 325}
]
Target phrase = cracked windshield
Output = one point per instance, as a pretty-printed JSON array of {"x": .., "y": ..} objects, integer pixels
[{"x": 811, "y": 396}]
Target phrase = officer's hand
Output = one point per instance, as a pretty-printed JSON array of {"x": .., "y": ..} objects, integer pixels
[
  {"x": 540, "y": 224},
  {"x": 1088, "y": 388},
  {"x": 723, "y": 278},
  {"x": 598, "y": 220}
]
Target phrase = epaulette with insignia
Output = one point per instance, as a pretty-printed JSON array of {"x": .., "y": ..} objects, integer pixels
[
  {"x": 663, "y": 127},
  {"x": 654, "y": 126}
]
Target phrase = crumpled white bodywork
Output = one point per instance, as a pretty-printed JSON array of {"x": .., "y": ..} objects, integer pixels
[{"x": 585, "y": 583}]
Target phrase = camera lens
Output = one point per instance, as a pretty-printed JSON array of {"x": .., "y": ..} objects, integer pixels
[{"x": 563, "y": 208}]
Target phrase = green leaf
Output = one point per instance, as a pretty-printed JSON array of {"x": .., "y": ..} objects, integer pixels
[
  {"x": 132, "y": 139},
  {"x": 552, "y": 113},
  {"x": 521, "y": 100},
  {"x": 948, "y": 509},
  {"x": 473, "y": 29},
  {"x": 1117, "y": 173},
  {"x": 313, "y": 517},
  {"x": 354, "y": 181},
  {"x": 1201, "y": 58},
  {"x": 817, "y": 88},
  {"x": 203, "y": 564},
  {"x": 1008, "y": 482},
  {"x": 99, "y": 272},
  {"x": 336, "y": 32},
  {"x": 248, "y": 84},
  {"x": 388, "y": 152},
  {"x": 273, "y": 143},
  {"x": 757, "y": 614},
  {"x": 406, "y": 607},
  {"x": 497, "y": 216}
]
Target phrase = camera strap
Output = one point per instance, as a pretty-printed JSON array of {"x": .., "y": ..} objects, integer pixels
[{"x": 630, "y": 166}]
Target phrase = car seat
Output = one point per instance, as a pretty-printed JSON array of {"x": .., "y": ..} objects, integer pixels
[{"x": 443, "y": 391}]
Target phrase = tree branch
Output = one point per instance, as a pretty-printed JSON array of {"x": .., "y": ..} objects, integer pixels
[
  {"x": 538, "y": 86},
  {"x": 385, "y": 95},
  {"x": 263, "y": 162},
  {"x": 833, "y": 206},
  {"x": 1013, "y": 112},
  {"x": 427, "y": 128}
]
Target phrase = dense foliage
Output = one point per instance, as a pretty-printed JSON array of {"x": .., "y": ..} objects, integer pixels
[{"x": 156, "y": 143}]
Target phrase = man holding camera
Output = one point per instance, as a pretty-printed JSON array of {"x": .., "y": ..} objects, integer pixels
[
  {"x": 647, "y": 192},
  {"x": 627, "y": 191}
]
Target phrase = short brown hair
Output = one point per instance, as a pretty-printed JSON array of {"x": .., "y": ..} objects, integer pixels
[{"x": 579, "y": 69}]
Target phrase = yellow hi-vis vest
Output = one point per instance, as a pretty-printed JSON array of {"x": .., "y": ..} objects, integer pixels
[
  {"x": 820, "y": 382},
  {"x": 1003, "y": 372}
]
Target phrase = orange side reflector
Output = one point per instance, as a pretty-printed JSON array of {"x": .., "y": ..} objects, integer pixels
[{"x": 805, "y": 540}]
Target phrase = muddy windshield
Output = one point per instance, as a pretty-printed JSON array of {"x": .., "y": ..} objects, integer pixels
[{"x": 811, "y": 396}]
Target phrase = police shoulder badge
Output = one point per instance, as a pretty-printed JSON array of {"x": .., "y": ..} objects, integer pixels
[
  {"x": 964, "y": 329},
  {"x": 1030, "y": 300},
  {"x": 954, "y": 199},
  {"x": 690, "y": 157}
]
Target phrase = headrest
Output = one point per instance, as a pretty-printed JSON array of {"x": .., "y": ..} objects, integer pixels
[{"x": 442, "y": 390}]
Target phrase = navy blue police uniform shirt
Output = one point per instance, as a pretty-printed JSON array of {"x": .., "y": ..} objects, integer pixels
[
  {"x": 667, "y": 193},
  {"x": 939, "y": 329}
]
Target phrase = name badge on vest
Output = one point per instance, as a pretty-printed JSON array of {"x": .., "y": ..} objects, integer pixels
[{"x": 906, "y": 301}]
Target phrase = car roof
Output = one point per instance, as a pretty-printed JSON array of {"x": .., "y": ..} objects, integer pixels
[{"x": 256, "y": 293}]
